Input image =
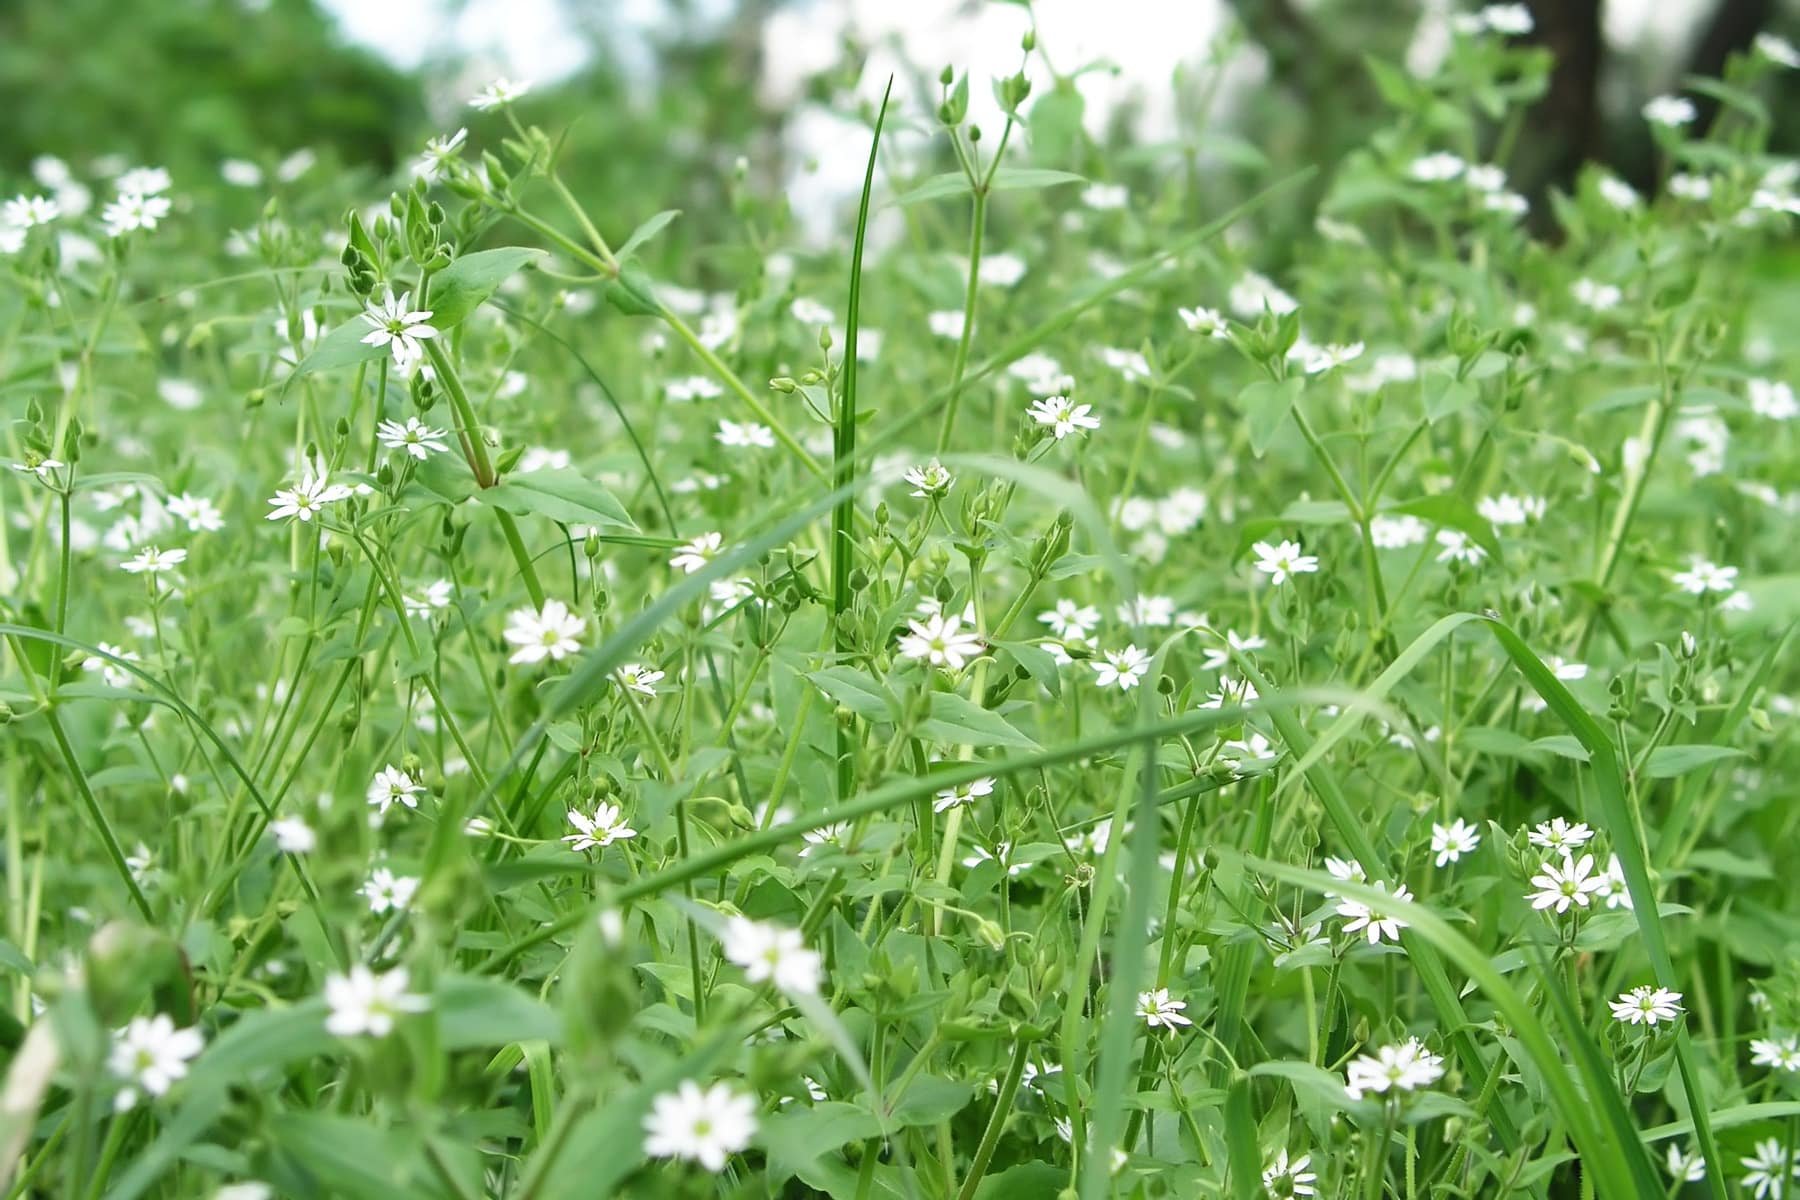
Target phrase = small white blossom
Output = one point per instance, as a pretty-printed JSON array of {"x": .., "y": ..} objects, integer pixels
[
  {"x": 1671, "y": 112},
  {"x": 415, "y": 437},
  {"x": 154, "y": 560},
  {"x": 638, "y": 678},
  {"x": 1370, "y": 920},
  {"x": 706, "y": 1127},
  {"x": 293, "y": 836},
  {"x": 363, "y": 1002},
  {"x": 1282, "y": 561},
  {"x": 132, "y": 212},
  {"x": 1646, "y": 1006},
  {"x": 498, "y": 94},
  {"x": 200, "y": 514},
  {"x": 1282, "y": 1178},
  {"x": 1159, "y": 1010},
  {"x": 940, "y": 641},
  {"x": 151, "y": 1053},
  {"x": 696, "y": 554},
  {"x": 1403, "y": 1068},
  {"x": 1063, "y": 415},
  {"x": 606, "y": 826},
  {"x": 1121, "y": 668},
  {"x": 1457, "y": 546},
  {"x": 933, "y": 479},
  {"x": 961, "y": 794},
  {"x": 1571, "y": 883},
  {"x": 388, "y": 892},
  {"x": 393, "y": 786},
  {"x": 1703, "y": 577},
  {"x": 1450, "y": 842},
  {"x": 549, "y": 632},
  {"x": 1557, "y": 834},
  {"x": 1769, "y": 1169},
  {"x": 306, "y": 499},
  {"x": 735, "y": 435},
  {"x": 396, "y": 325},
  {"x": 439, "y": 154},
  {"x": 771, "y": 953}
]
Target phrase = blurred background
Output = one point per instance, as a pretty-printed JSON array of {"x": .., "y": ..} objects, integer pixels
[{"x": 660, "y": 98}]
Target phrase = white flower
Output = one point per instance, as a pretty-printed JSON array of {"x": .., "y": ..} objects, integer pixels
[
  {"x": 1457, "y": 546},
  {"x": 1600, "y": 297},
  {"x": 1041, "y": 374},
  {"x": 1062, "y": 415},
  {"x": 248, "y": 1190},
  {"x": 1613, "y": 889},
  {"x": 1685, "y": 1168},
  {"x": 1439, "y": 167},
  {"x": 1071, "y": 621},
  {"x": 1001, "y": 270},
  {"x": 1209, "y": 321},
  {"x": 1154, "y": 611},
  {"x": 111, "y": 672},
  {"x": 940, "y": 641},
  {"x": 1777, "y": 49},
  {"x": 1703, "y": 577},
  {"x": 638, "y": 678},
  {"x": 1129, "y": 363},
  {"x": 1105, "y": 197},
  {"x": 293, "y": 836},
  {"x": 396, "y": 325},
  {"x": 439, "y": 153},
  {"x": 388, "y": 892},
  {"x": 434, "y": 596},
  {"x": 933, "y": 479},
  {"x": 150, "y": 1053},
  {"x": 201, "y": 514},
  {"x": 1773, "y": 399},
  {"x": 549, "y": 632},
  {"x": 1121, "y": 668},
  {"x": 1002, "y": 853},
  {"x": 1217, "y": 657},
  {"x": 706, "y": 1127},
  {"x": 498, "y": 94},
  {"x": 1282, "y": 1178},
  {"x": 946, "y": 323},
  {"x": 606, "y": 826},
  {"x": 1646, "y": 1005},
  {"x": 393, "y": 786},
  {"x": 415, "y": 437},
  {"x": 1558, "y": 834},
  {"x": 1486, "y": 178},
  {"x": 41, "y": 467},
  {"x": 1403, "y": 1068},
  {"x": 1769, "y": 1169},
  {"x": 961, "y": 794},
  {"x": 1396, "y": 533},
  {"x": 27, "y": 212},
  {"x": 1778, "y": 1054},
  {"x": 1450, "y": 842},
  {"x": 697, "y": 553},
  {"x": 810, "y": 312},
  {"x": 1618, "y": 193},
  {"x": 1253, "y": 293},
  {"x": 733, "y": 434},
  {"x": 306, "y": 499},
  {"x": 1684, "y": 186},
  {"x": 131, "y": 212},
  {"x": 829, "y": 836},
  {"x": 1507, "y": 509},
  {"x": 364, "y": 1002},
  {"x": 1572, "y": 883},
  {"x": 772, "y": 953},
  {"x": 155, "y": 560},
  {"x": 1369, "y": 920},
  {"x": 1671, "y": 112},
  {"x": 1508, "y": 20},
  {"x": 1329, "y": 358},
  {"x": 1180, "y": 510},
  {"x": 1160, "y": 1011},
  {"x": 1231, "y": 693},
  {"x": 1283, "y": 560}
]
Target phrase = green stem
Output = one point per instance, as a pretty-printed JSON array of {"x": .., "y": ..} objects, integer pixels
[{"x": 996, "y": 1125}]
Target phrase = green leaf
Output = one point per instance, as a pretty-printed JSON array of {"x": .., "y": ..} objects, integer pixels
[
  {"x": 1265, "y": 406},
  {"x": 929, "y": 1099},
  {"x": 959, "y": 721},
  {"x": 459, "y": 288},
  {"x": 1667, "y": 762},
  {"x": 1006, "y": 179},
  {"x": 564, "y": 495},
  {"x": 1054, "y": 123},
  {"x": 474, "y": 1011},
  {"x": 1446, "y": 395},
  {"x": 857, "y": 691},
  {"x": 643, "y": 233},
  {"x": 342, "y": 347},
  {"x": 795, "y": 1137},
  {"x": 348, "y": 1156}
]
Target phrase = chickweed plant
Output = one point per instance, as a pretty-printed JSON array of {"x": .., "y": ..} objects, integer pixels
[{"x": 1075, "y": 698}]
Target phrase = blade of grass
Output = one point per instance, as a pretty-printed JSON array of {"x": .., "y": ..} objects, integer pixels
[
  {"x": 843, "y": 453},
  {"x": 1627, "y": 841}
]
